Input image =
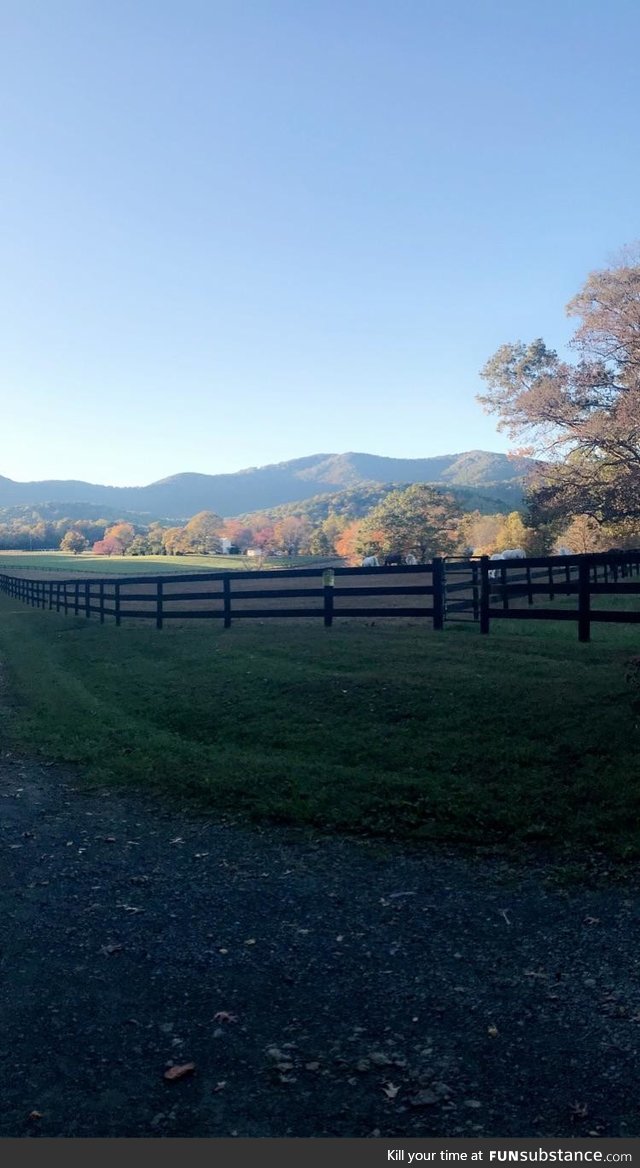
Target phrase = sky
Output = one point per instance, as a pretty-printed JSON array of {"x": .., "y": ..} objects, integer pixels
[{"x": 235, "y": 232}]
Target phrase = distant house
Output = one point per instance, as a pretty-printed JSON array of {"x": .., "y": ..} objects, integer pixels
[{"x": 225, "y": 544}]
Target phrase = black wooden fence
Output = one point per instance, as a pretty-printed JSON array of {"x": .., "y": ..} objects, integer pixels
[
  {"x": 225, "y": 595},
  {"x": 482, "y": 589},
  {"x": 496, "y": 589}
]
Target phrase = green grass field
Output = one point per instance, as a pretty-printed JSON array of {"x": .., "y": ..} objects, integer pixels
[
  {"x": 87, "y": 564},
  {"x": 524, "y": 736}
]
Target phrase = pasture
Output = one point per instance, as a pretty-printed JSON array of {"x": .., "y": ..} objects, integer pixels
[
  {"x": 523, "y": 737},
  {"x": 58, "y": 564}
]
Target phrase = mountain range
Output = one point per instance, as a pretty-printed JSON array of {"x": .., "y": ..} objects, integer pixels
[{"x": 180, "y": 496}]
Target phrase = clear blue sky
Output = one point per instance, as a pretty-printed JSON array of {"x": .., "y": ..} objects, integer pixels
[{"x": 238, "y": 232}]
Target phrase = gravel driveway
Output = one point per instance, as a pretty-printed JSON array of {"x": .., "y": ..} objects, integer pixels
[{"x": 321, "y": 986}]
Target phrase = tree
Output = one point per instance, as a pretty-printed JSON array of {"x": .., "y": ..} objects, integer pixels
[
  {"x": 419, "y": 519},
  {"x": 291, "y": 534},
  {"x": 480, "y": 533},
  {"x": 583, "y": 535},
  {"x": 202, "y": 533},
  {"x": 140, "y": 546},
  {"x": 323, "y": 538},
  {"x": 173, "y": 540},
  {"x": 582, "y": 417},
  {"x": 348, "y": 542},
  {"x": 238, "y": 533},
  {"x": 122, "y": 534},
  {"x": 264, "y": 539},
  {"x": 154, "y": 538},
  {"x": 109, "y": 546},
  {"x": 73, "y": 542}
]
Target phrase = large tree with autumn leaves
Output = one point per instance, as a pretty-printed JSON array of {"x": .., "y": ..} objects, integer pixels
[{"x": 582, "y": 416}]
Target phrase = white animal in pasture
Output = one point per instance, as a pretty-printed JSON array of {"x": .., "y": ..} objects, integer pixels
[
  {"x": 410, "y": 559},
  {"x": 507, "y": 554},
  {"x": 371, "y": 562},
  {"x": 563, "y": 551}
]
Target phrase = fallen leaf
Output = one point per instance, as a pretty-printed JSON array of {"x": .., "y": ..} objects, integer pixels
[
  {"x": 390, "y": 1090},
  {"x": 34, "y": 1115},
  {"x": 379, "y": 1059},
  {"x": 492, "y": 1031},
  {"x": 220, "y": 1086},
  {"x": 179, "y": 1072},
  {"x": 225, "y": 1016},
  {"x": 423, "y": 1099},
  {"x": 250, "y": 941}
]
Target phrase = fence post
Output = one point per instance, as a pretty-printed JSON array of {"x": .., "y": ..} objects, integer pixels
[
  {"x": 57, "y": 596},
  {"x": 226, "y": 600},
  {"x": 66, "y": 599},
  {"x": 584, "y": 601},
  {"x": 87, "y": 598},
  {"x": 476, "y": 595},
  {"x": 159, "y": 604},
  {"x": 328, "y": 578},
  {"x": 484, "y": 594},
  {"x": 551, "y": 591},
  {"x": 102, "y": 602},
  {"x": 437, "y": 576},
  {"x": 116, "y": 601},
  {"x": 529, "y": 592}
]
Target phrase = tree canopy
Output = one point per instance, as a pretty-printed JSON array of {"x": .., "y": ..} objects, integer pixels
[
  {"x": 420, "y": 519},
  {"x": 582, "y": 416}
]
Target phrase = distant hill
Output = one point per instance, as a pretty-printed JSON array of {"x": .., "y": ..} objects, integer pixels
[{"x": 258, "y": 488}]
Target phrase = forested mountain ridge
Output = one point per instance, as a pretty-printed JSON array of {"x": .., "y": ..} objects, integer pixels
[
  {"x": 355, "y": 502},
  {"x": 258, "y": 488}
]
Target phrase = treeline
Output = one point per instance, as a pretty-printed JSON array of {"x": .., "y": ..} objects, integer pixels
[{"x": 418, "y": 518}]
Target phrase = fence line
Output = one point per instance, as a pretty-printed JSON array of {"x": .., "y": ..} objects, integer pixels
[
  {"x": 106, "y": 598},
  {"x": 582, "y": 576}
]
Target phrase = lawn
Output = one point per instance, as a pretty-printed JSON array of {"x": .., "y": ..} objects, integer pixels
[
  {"x": 86, "y": 564},
  {"x": 523, "y": 736}
]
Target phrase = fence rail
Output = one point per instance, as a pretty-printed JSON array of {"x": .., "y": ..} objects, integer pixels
[
  {"x": 480, "y": 589},
  {"x": 226, "y": 597}
]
